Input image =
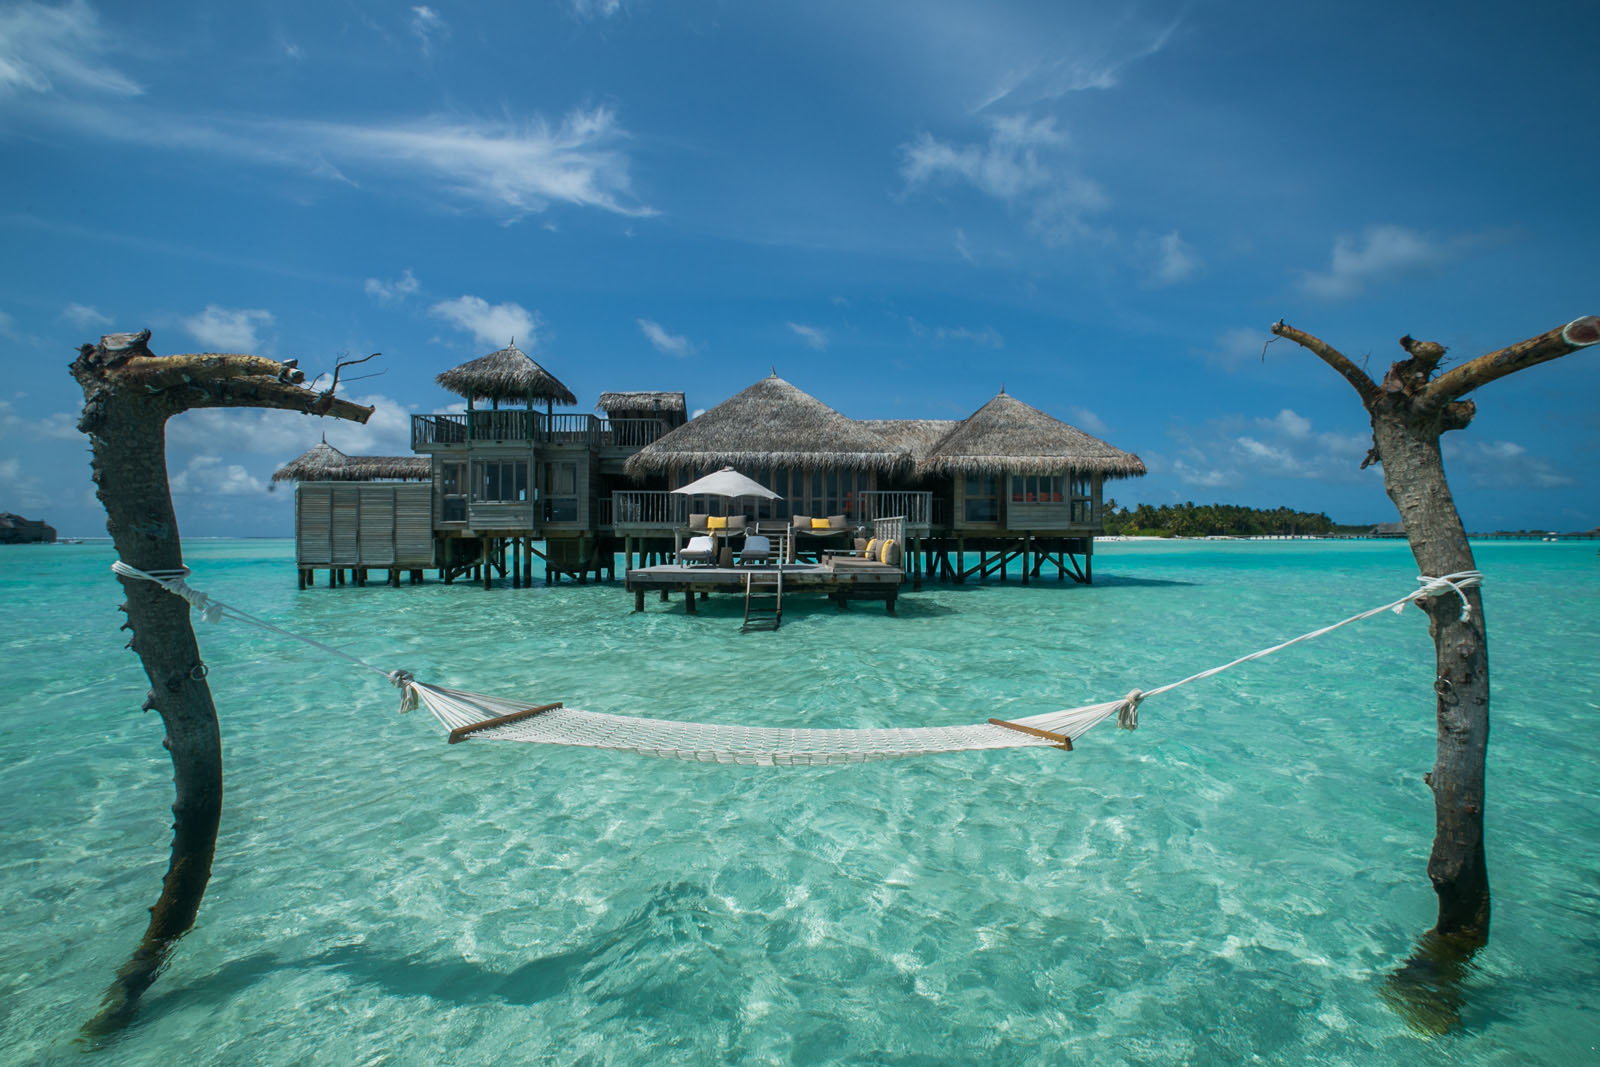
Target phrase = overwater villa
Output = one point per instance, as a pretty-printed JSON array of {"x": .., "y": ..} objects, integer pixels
[{"x": 490, "y": 489}]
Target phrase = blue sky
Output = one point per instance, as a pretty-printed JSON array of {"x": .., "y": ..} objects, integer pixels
[{"x": 899, "y": 206}]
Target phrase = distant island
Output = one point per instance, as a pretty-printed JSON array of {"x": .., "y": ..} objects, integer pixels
[
  {"x": 1222, "y": 520},
  {"x": 16, "y": 530}
]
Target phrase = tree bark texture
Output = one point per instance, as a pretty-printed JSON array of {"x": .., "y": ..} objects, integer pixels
[
  {"x": 128, "y": 397},
  {"x": 1410, "y": 411}
]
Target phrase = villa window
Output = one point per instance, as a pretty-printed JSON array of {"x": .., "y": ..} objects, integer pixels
[
  {"x": 1082, "y": 498},
  {"x": 453, "y": 492},
  {"x": 501, "y": 480},
  {"x": 982, "y": 498},
  {"x": 1038, "y": 489},
  {"x": 561, "y": 499}
]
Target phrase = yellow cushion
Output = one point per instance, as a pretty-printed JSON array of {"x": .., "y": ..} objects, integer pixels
[
  {"x": 872, "y": 548},
  {"x": 820, "y": 524},
  {"x": 717, "y": 522},
  {"x": 889, "y": 553}
]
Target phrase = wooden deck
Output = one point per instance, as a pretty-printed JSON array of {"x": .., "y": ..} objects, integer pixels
[{"x": 841, "y": 581}]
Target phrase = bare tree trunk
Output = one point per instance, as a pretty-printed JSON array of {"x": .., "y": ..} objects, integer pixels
[
  {"x": 128, "y": 397},
  {"x": 1410, "y": 411}
]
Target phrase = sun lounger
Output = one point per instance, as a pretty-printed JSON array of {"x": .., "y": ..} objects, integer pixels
[
  {"x": 698, "y": 550},
  {"x": 757, "y": 549}
]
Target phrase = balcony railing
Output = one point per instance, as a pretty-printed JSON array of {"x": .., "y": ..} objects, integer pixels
[
  {"x": 510, "y": 425},
  {"x": 570, "y": 429},
  {"x": 655, "y": 509},
  {"x": 438, "y": 430},
  {"x": 630, "y": 433},
  {"x": 917, "y": 508}
]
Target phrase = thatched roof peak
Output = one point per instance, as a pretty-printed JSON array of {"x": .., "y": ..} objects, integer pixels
[
  {"x": 324, "y": 463},
  {"x": 770, "y": 423},
  {"x": 1007, "y": 435},
  {"x": 915, "y": 436},
  {"x": 509, "y": 374}
]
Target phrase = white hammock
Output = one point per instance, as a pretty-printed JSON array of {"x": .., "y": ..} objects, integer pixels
[{"x": 476, "y": 716}]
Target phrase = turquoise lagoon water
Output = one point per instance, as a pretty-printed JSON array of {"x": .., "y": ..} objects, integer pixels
[{"x": 1228, "y": 884}]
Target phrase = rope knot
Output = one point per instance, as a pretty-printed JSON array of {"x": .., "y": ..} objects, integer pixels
[
  {"x": 1457, "y": 583},
  {"x": 405, "y": 681},
  {"x": 1128, "y": 710}
]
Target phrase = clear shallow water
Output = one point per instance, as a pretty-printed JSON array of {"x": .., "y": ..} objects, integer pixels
[{"x": 1229, "y": 883}]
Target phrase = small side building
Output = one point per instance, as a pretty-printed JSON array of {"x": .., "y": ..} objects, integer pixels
[{"x": 360, "y": 513}]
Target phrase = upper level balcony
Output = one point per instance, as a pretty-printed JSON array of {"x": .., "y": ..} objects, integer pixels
[{"x": 431, "y": 433}]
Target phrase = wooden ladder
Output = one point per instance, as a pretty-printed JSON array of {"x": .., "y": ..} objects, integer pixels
[{"x": 763, "y": 599}]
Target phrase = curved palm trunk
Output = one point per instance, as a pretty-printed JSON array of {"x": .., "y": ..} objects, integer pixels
[{"x": 128, "y": 396}]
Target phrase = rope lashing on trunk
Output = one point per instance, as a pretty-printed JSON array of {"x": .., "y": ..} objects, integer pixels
[{"x": 474, "y": 716}]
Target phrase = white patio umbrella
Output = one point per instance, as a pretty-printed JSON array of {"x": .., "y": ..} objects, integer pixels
[{"x": 729, "y": 483}]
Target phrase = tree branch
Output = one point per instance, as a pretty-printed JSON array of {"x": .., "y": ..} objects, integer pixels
[
  {"x": 155, "y": 373},
  {"x": 257, "y": 392},
  {"x": 1353, "y": 374},
  {"x": 1552, "y": 344}
]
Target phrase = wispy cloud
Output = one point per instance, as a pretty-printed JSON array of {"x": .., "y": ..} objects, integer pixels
[
  {"x": 45, "y": 49},
  {"x": 1235, "y": 347},
  {"x": 813, "y": 336},
  {"x": 1381, "y": 252},
  {"x": 1232, "y": 451},
  {"x": 392, "y": 292},
  {"x": 512, "y": 168},
  {"x": 491, "y": 324},
  {"x": 1173, "y": 260},
  {"x": 988, "y": 337},
  {"x": 222, "y": 329},
  {"x": 671, "y": 344},
  {"x": 84, "y": 317},
  {"x": 1021, "y": 164},
  {"x": 1051, "y": 68},
  {"x": 427, "y": 26},
  {"x": 1503, "y": 465},
  {"x": 1088, "y": 421},
  {"x": 594, "y": 9}
]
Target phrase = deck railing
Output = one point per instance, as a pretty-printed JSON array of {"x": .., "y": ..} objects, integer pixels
[
  {"x": 630, "y": 433},
  {"x": 438, "y": 430},
  {"x": 570, "y": 429},
  {"x": 652, "y": 508},
  {"x": 915, "y": 507}
]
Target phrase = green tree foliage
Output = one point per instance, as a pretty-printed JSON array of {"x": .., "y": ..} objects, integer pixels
[{"x": 1209, "y": 520}]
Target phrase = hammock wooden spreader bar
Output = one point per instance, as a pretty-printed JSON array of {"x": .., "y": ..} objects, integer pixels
[{"x": 470, "y": 716}]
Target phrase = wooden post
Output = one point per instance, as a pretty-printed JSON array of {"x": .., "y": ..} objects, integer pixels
[
  {"x": 688, "y": 601},
  {"x": 638, "y": 599},
  {"x": 1027, "y": 550}
]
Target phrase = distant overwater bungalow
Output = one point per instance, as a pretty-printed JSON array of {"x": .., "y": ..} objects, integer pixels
[{"x": 491, "y": 488}]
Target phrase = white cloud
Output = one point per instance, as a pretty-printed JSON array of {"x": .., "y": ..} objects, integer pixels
[
  {"x": 1502, "y": 465},
  {"x": 274, "y": 437},
  {"x": 7, "y": 325},
  {"x": 1088, "y": 421},
  {"x": 813, "y": 336},
  {"x": 209, "y": 476},
  {"x": 962, "y": 249},
  {"x": 1382, "y": 252},
  {"x": 223, "y": 329},
  {"x": 491, "y": 324},
  {"x": 671, "y": 344},
  {"x": 427, "y": 26},
  {"x": 591, "y": 9},
  {"x": 392, "y": 292},
  {"x": 1232, "y": 451},
  {"x": 1047, "y": 67},
  {"x": 1020, "y": 164},
  {"x": 84, "y": 317},
  {"x": 43, "y": 49},
  {"x": 1174, "y": 260}
]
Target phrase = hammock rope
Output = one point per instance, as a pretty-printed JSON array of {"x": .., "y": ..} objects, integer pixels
[{"x": 473, "y": 716}]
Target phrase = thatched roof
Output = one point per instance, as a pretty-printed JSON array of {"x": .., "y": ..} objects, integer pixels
[
  {"x": 914, "y": 436},
  {"x": 771, "y": 423},
  {"x": 508, "y": 375},
  {"x": 1006, "y": 435},
  {"x": 610, "y": 402},
  {"x": 324, "y": 463}
]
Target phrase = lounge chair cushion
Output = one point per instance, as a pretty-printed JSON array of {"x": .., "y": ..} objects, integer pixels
[
  {"x": 698, "y": 549},
  {"x": 736, "y": 523},
  {"x": 872, "y": 550},
  {"x": 697, "y": 521},
  {"x": 802, "y": 522},
  {"x": 756, "y": 547},
  {"x": 890, "y": 553},
  {"x": 838, "y": 522}
]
